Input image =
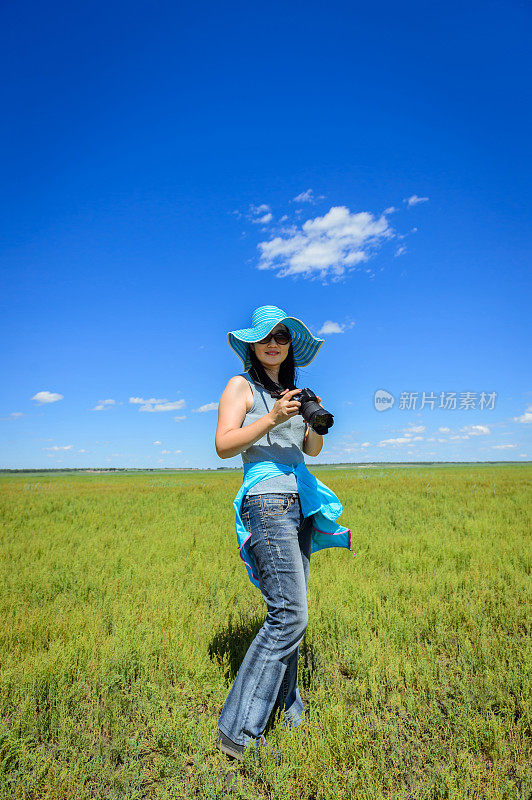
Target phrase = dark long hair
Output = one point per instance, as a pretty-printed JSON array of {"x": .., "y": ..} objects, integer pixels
[{"x": 287, "y": 373}]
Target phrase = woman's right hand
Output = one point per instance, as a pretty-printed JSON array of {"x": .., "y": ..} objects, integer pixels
[{"x": 285, "y": 408}]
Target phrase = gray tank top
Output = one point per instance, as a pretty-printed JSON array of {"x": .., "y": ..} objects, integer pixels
[{"x": 283, "y": 444}]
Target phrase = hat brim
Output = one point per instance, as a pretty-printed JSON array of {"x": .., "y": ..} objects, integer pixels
[{"x": 304, "y": 344}]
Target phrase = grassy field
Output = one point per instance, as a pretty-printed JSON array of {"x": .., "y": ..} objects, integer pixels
[{"x": 126, "y": 612}]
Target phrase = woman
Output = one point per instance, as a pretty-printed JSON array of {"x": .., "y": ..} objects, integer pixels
[{"x": 283, "y": 514}]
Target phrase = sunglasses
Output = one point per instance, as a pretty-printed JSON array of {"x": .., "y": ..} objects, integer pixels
[{"x": 281, "y": 337}]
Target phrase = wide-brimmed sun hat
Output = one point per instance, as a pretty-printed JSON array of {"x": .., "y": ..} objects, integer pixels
[{"x": 263, "y": 320}]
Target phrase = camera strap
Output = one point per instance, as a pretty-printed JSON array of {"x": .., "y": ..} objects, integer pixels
[{"x": 275, "y": 395}]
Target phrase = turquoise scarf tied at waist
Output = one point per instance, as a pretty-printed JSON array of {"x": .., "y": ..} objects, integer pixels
[{"x": 316, "y": 499}]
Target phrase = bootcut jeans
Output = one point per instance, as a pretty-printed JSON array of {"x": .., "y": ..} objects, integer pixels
[{"x": 281, "y": 540}]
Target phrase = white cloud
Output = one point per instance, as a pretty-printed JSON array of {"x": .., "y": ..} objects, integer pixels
[
  {"x": 142, "y": 401},
  {"x": 178, "y": 418},
  {"x": 444, "y": 430},
  {"x": 265, "y": 219},
  {"x": 206, "y": 407},
  {"x": 157, "y": 405},
  {"x": 331, "y": 327},
  {"x": 305, "y": 197},
  {"x": 103, "y": 404},
  {"x": 398, "y": 440},
  {"x": 334, "y": 243},
  {"x": 47, "y": 397},
  {"x": 414, "y": 200},
  {"x": 14, "y": 415},
  {"x": 416, "y": 429},
  {"x": 502, "y": 446},
  {"x": 178, "y": 451},
  {"x": 173, "y": 406},
  {"x": 260, "y": 214},
  {"x": 57, "y": 447},
  {"x": 157, "y": 442},
  {"x": 400, "y": 250},
  {"x": 526, "y": 417},
  {"x": 475, "y": 430}
]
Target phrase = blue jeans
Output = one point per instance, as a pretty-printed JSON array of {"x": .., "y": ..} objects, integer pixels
[{"x": 281, "y": 539}]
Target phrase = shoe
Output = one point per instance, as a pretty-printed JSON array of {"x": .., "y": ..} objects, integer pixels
[{"x": 260, "y": 748}]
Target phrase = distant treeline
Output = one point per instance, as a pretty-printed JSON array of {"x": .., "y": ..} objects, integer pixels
[
  {"x": 233, "y": 469},
  {"x": 120, "y": 469}
]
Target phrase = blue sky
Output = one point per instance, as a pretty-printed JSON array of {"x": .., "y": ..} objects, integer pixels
[{"x": 167, "y": 168}]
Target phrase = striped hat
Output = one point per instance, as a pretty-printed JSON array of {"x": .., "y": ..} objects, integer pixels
[{"x": 263, "y": 320}]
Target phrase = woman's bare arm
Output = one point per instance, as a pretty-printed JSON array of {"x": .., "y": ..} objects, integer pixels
[
  {"x": 312, "y": 442},
  {"x": 230, "y": 437}
]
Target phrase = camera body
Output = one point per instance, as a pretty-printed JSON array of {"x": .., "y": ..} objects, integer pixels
[{"x": 317, "y": 417}]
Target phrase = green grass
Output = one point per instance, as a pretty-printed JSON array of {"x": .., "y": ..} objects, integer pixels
[{"x": 126, "y": 612}]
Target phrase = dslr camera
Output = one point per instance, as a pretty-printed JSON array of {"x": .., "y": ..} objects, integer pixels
[{"x": 317, "y": 417}]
